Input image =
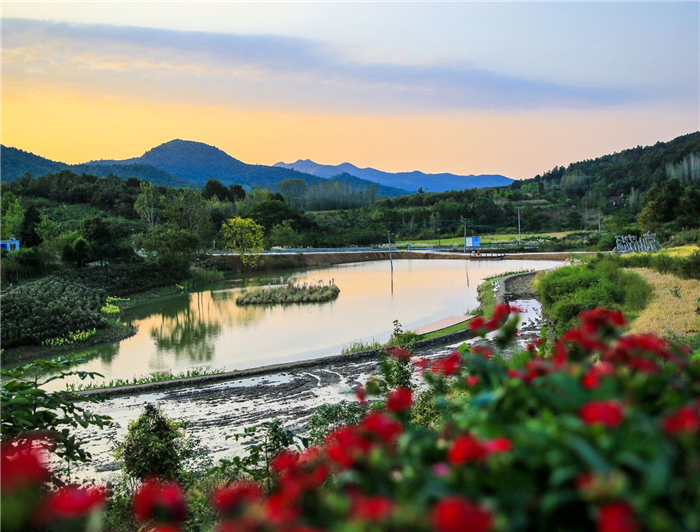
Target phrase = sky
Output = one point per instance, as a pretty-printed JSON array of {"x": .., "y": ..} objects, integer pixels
[{"x": 468, "y": 88}]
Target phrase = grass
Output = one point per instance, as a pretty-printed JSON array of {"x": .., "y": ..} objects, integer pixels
[
  {"x": 447, "y": 330},
  {"x": 153, "y": 377},
  {"x": 680, "y": 251},
  {"x": 361, "y": 347},
  {"x": 672, "y": 310},
  {"x": 485, "y": 239}
]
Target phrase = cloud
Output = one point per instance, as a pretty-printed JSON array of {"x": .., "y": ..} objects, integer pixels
[{"x": 266, "y": 70}]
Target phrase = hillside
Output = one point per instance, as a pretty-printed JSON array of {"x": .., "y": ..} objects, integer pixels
[
  {"x": 617, "y": 174},
  {"x": 16, "y": 163},
  {"x": 195, "y": 162},
  {"x": 382, "y": 190},
  {"x": 404, "y": 180}
]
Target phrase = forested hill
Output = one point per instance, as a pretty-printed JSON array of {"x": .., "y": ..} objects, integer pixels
[
  {"x": 16, "y": 163},
  {"x": 403, "y": 180},
  {"x": 195, "y": 162},
  {"x": 637, "y": 168}
]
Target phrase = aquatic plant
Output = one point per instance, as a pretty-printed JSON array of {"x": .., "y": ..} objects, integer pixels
[{"x": 290, "y": 292}]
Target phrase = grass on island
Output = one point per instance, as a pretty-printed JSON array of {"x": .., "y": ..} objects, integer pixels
[{"x": 291, "y": 292}]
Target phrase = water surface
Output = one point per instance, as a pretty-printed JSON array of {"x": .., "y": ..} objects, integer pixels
[{"x": 207, "y": 328}]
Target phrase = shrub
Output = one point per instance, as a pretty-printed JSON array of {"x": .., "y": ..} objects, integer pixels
[
  {"x": 49, "y": 308},
  {"x": 154, "y": 446}
]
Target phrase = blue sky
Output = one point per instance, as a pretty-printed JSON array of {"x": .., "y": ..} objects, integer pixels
[{"x": 476, "y": 72}]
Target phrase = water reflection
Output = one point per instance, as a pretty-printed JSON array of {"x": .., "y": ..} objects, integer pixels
[{"x": 208, "y": 328}]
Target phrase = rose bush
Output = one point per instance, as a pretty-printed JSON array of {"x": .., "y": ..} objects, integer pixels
[{"x": 600, "y": 433}]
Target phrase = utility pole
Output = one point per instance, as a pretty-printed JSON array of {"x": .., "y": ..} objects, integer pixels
[
  {"x": 520, "y": 236},
  {"x": 465, "y": 235}
]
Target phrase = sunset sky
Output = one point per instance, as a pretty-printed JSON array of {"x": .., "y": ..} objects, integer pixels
[{"x": 509, "y": 88}]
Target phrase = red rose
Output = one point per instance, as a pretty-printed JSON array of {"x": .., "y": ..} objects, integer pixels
[
  {"x": 382, "y": 426},
  {"x": 399, "y": 352},
  {"x": 376, "y": 508},
  {"x": 683, "y": 420},
  {"x": 482, "y": 351},
  {"x": 617, "y": 517},
  {"x": 159, "y": 501},
  {"x": 608, "y": 413},
  {"x": 21, "y": 465},
  {"x": 228, "y": 500},
  {"x": 346, "y": 445},
  {"x": 497, "y": 446},
  {"x": 456, "y": 514},
  {"x": 280, "y": 509},
  {"x": 477, "y": 324},
  {"x": 466, "y": 449},
  {"x": 448, "y": 365},
  {"x": 71, "y": 502},
  {"x": 399, "y": 400}
]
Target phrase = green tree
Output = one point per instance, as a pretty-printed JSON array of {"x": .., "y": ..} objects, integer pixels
[
  {"x": 28, "y": 235},
  {"x": 149, "y": 204},
  {"x": 236, "y": 192},
  {"x": 12, "y": 215},
  {"x": 284, "y": 235},
  {"x": 245, "y": 236},
  {"x": 166, "y": 239},
  {"x": 154, "y": 445},
  {"x": 214, "y": 187}
]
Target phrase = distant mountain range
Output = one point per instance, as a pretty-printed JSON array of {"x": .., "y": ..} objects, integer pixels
[
  {"x": 181, "y": 163},
  {"x": 405, "y": 180}
]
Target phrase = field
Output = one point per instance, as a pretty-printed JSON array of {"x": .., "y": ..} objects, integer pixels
[{"x": 672, "y": 308}]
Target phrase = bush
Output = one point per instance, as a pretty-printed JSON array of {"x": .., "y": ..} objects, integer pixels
[
  {"x": 568, "y": 291},
  {"x": 49, "y": 308},
  {"x": 154, "y": 446},
  {"x": 601, "y": 433}
]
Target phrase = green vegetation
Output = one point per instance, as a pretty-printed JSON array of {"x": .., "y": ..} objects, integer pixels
[
  {"x": 361, "y": 347},
  {"x": 71, "y": 337},
  {"x": 447, "y": 330},
  {"x": 28, "y": 410},
  {"x": 159, "y": 376},
  {"x": 601, "y": 282},
  {"x": 291, "y": 292}
]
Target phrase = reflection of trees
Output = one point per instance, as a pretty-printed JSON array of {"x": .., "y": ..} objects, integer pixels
[{"x": 187, "y": 335}]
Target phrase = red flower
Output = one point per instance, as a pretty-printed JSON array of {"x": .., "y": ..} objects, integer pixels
[
  {"x": 448, "y": 365},
  {"x": 399, "y": 352},
  {"x": 376, "y": 508},
  {"x": 399, "y": 400},
  {"x": 280, "y": 509},
  {"x": 346, "y": 445},
  {"x": 500, "y": 315},
  {"x": 456, "y": 514},
  {"x": 382, "y": 426},
  {"x": 477, "y": 325},
  {"x": 228, "y": 500},
  {"x": 361, "y": 394},
  {"x": 482, "y": 351},
  {"x": 71, "y": 502},
  {"x": 599, "y": 318},
  {"x": 617, "y": 517},
  {"x": 159, "y": 501},
  {"x": 284, "y": 461},
  {"x": 591, "y": 378},
  {"x": 497, "y": 446},
  {"x": 608, "y": 413},
  {"x": 472, "y": 381},
  {"x": 21, "y": 465},
  {"x": 683, "y": 420},
  {"x": 466, "y": 449}
]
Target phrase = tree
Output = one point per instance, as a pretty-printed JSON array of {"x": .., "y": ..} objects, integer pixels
[
  {"x": 166, "y": 240},
  {"x": 236, "y": 192},
  {"x": 48, "y": 231},
  {"x": 284, "y": 235},
  {"x": 154, "y": 446},
  {"x": 79, "y": 252},
  {"x": 28, "y": 235},
  {"x": 12, "y": 215},
  {"x": 214, "y": 187},
  {"x": 149, "y": 204},
  {"x": 245, "y": 236}
]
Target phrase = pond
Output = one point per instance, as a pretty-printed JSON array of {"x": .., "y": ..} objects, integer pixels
[{"x": 207, "y": 328}]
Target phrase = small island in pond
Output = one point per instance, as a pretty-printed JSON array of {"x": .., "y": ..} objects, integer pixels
[{"x": 290, "y": 292}]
